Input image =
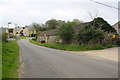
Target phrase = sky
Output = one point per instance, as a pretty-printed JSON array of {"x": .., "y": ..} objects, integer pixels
[{"x": 25, "y": 12}]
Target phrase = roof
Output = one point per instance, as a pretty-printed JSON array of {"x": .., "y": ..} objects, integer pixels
[
  {"x": 81, "y": 26},
  {"x": 117, "y": 23},
  {"x": 16, "y": 28},
  {"x": 54, "y": 31},
  {"x": 49, "y": 32},
  {"x": 30, "y": 28},
  {"x": 4, "y": 29}
]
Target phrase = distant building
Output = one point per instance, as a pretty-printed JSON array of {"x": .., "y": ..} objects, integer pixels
[
  {"x": 51, "y": 36},
  {"x": 29, "y": 31},
  {"x": 81, "y": 26},
  {"x": 16, "y": 31},
  {"x": 24, "y": 31},
  {"x": 4, "y": 30}
]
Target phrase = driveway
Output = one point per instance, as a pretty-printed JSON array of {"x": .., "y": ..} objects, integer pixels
[
  {"x": 42, "y": 62},
  {"x": 109, "y": 54}
]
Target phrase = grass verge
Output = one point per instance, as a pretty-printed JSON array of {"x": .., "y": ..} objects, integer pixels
[
  {"x": 73, "y": 47},
  {"x": 10, "y": 59},
  {"x": 0, "y": 55}
]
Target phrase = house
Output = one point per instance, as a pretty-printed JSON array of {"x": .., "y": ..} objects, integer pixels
[
  {"x": 50, "y": 36},
  {"x": 81, "y": 26},
  {"x": 16, "y": 31},
  {"x": 29, "y": 31},
  {"x": 4, "y": 30},
  {"x": 24, "y": 31},
  {"x": 117, "y": 27}
]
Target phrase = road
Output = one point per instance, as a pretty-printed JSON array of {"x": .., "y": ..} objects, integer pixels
[{"x": 42, "y": 62}]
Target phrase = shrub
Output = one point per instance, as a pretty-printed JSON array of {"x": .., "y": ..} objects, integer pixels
[
  {"x": 118, "y": 42},
  {"x": 11, "y": 36},
  {"x": 4, "y": 37},
  {"x": 103, "y": 25},
  {"x": 34, "y": 39},
  {"x": 88, "y": 35},
  {"x": 66, "y": 32},
  {"x": 73, "y": 47}
]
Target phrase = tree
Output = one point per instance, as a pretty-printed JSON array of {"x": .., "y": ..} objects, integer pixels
[
  {"x": 94, "y": 33},
  {"x": 36, "y": 26},
  {"x": 51, "y": 24},
  {"x": 4, "y": 37},
  {"x": 66, "y": 32},
  {"x": 77, "y": 21},
  {"x": 100, "y": 23},
  {"x": 10, "y": 30},
  {"x": 88, "y": 34}
]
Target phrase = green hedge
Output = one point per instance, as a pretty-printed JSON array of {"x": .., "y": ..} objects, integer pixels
[{"x": 73, "y": 47}]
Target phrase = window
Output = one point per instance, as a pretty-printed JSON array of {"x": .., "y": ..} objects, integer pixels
[{"x": 118, "y": 26}]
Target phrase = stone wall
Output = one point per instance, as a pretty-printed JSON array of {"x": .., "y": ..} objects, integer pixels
[{"x": 49, "y": 39}]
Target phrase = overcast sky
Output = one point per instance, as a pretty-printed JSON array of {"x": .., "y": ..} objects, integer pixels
[{"x": 25, "y": 12}]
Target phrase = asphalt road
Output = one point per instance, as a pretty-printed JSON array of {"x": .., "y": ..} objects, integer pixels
[{"x": 42, "y": 62}]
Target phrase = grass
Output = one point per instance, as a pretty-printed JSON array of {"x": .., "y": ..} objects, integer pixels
[
  {"x": 0, "y": 56},
  {"x": 73, "y": 47},
  {"x": 10, "y": 59}
]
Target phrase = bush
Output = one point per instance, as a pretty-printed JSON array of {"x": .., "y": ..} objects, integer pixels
[
  {"x": 118, "y": 42},
  {"x": 100, "y": 23},
  {"x": 88, "y": 35},
  {"x": 34, "y": 39},
  {"x": 73, "y": 47},
  {"x": 98, "y": 31},
  {"x": 33, "y": 35},
  {"x": 66, "y": 32},
  {"x": 11, "y": 36},
  {"x": 4, "y": 37}
]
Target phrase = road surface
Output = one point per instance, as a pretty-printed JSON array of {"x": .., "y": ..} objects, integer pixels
[{"x": 42, "y": 62}]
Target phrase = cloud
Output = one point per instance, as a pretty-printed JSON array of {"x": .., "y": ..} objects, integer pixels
[{"x": 24, "y": 12}]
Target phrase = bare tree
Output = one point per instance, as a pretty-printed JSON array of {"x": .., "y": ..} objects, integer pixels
[{"x": 92, "y": 16}]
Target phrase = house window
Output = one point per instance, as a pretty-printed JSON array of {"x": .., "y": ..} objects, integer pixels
[
  {"x": 118, "y": 26},
  {"x": 16, "y": 32}
]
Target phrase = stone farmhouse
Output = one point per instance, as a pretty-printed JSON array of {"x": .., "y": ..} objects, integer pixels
[
  {"x": 50, "y": 36},
  {"x": 24, "y": 31}
]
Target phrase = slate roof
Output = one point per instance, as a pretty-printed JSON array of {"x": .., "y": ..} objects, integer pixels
[
  {"x": 4, "y": 29},
  {"x": 81, "y": 26},
  {"x": 16, "y": 28},
  {"x": 49, "y": 32},
  {"x": 30, "y": 28}
]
